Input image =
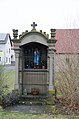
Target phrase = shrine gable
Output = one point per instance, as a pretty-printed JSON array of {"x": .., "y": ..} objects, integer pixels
[{"x": 36, "y": 37}]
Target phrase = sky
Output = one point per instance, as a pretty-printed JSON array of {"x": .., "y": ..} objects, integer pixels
[{"x": 47, "y": 14}]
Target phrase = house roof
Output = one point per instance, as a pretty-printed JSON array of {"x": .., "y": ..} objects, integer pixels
[
  {"x": 67, "y": 41},
  {"x": 4, "y": 38}
]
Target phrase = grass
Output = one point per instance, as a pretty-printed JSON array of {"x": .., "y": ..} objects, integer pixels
[
  {"x": 10, "y": 80},
  {"x": 18, "y": 115}
]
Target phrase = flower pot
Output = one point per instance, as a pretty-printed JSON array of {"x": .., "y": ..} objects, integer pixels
[{"x": 34, "y": 91}]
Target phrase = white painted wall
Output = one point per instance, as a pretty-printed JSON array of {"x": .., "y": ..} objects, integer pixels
[
  {"x": 5, "y": 53},
  {"x": 8, "y": 52},
  {"x": 12, "y": 54},
  {"x": 2, "y": 54}
]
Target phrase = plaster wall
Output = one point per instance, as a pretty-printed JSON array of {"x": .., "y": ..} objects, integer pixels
[{"x": 62, "y": 61}]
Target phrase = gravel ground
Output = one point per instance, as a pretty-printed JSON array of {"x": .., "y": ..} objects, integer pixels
[{"x": 27, "y": 109}]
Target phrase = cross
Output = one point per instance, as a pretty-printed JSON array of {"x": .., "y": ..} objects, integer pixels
[{"x": 33, "y": 25}]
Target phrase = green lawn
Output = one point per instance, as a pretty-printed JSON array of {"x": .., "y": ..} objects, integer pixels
[
  {"x": 17, "y": 115},
  {"x": 10, "y": 79}
]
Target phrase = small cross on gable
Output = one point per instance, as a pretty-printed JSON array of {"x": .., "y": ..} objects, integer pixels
[{"x": 34, "y": 25}]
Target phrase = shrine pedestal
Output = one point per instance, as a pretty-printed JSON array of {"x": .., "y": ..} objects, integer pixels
[{"x": 35, "y": 79}]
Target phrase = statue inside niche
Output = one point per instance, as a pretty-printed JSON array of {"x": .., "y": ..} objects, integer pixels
[{"x": 36, "y": 57}]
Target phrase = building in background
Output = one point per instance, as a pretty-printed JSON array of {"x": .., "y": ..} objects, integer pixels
[
  {"x": 67, "y": 48},
  {"x": 12, "y": 54},
  {"x": 6, "y": 54}
]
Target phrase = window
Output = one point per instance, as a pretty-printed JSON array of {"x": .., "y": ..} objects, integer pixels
[
  {"x": 9, "y": 60},
  {"x": 6, "y": 59},
  {"x": 67, "y": 60},
  {"x": 0, "y": 59},
  {"x": 9, "y": 50},
  {"x": 11, "y": 56}
]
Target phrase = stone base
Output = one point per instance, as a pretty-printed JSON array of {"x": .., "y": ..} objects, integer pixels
[
  {"x": 16, "y": 86},
  {"x": 51, "y": 87}
]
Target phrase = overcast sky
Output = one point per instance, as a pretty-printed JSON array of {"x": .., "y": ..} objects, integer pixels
[{"x": 19, "y": 14}]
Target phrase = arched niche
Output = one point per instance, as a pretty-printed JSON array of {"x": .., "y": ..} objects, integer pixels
[{"x": 34, "y": 55}]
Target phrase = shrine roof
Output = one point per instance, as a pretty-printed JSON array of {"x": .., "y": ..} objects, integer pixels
[
  {"x": 67, "y": 41},
  {"x": 33, "y": 31}
]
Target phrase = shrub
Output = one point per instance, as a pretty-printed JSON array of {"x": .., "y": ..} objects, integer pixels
[
  {"x": 3, "y": 87},
  {"x": 67, "y": 81}
]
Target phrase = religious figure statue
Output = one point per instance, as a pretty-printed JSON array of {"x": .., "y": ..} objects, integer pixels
[{"x": 36, "y": 57}]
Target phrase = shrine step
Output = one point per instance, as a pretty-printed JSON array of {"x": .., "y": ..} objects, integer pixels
[
  {"x": 32, "y": 103},
  {"x": 33, "y": 97},
  {"x": 32, "y": 100}
]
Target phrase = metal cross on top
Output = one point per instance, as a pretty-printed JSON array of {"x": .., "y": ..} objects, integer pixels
[{"x": 33, "y": 25}]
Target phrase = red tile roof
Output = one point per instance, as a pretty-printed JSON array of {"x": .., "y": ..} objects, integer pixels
[{"x": 67, "y": 40}]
